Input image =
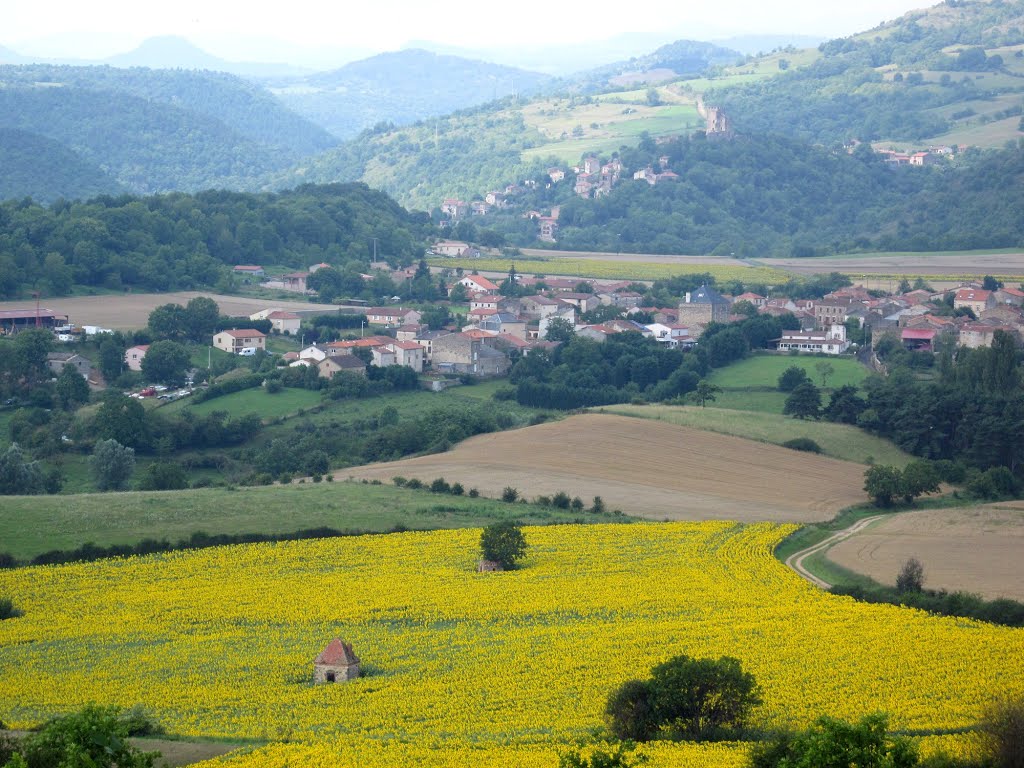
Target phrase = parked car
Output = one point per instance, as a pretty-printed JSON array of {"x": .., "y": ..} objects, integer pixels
[{"x": 247, "y": 352}]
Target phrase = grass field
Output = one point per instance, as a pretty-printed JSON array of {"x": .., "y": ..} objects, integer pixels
[
  {"x": 840, "y": 441},
  {"x": 975, "y": 549},
  {"x": 764, "y": 371},
  {"x": 465, "y": 669},
  {"x": 648, "y": 469},
  {"x": 257, "y": 400},
  {"x": 35, "y": 524}
]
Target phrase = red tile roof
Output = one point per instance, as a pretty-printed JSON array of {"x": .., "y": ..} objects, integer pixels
[
  {"x": 337, "y": 652},
  {"x": 247, "y": 332}
]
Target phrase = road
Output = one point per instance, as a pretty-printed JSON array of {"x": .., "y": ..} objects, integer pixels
[{"x": 796, "y": 560}]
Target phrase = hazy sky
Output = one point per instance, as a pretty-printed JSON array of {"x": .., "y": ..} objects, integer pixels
[{"x": 231, "y": 28}]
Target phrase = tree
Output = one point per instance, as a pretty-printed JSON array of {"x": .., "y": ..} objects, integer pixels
[
  {"x": 168, "y": 321},
  {"x": 112, "y": 465},
  {"x": 503, "y": 543},
  {"x": 163, "y": 476},
  {"x": 166, "y": 362},
  {"x": 911, "y": 576},
  {"x": 123, "y": 419},
  {"x": 791, "y": 378},
  {"x": 97, "y": 737},
  {"x": 19, "y": 474},
  {"x": 845, "y": 406},
  {"x": 685, "y": 698},
  {"x": 804, "y": 402},
  {"x": 560, "y": 329},
  {"x": 831, "y": 743},
  {"x": 917, "y": 478},
  {"x": 111, "y": 356},
  {"x": 201, "y": 316},
  {"x": 882, "y": 484},
  {"x": 705, "y": 392},
  {"x": 71, "y": 389},
  {"x": 824, "y": 369}
]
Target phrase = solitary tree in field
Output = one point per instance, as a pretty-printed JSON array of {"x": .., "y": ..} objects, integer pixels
[
  {"x": 911, "y": 576},
  {"x": 804, "y": 402},
  {"x": 503, "y": 543},
  {"x": 824, "y": 369},
  {"x": 112, "y": 465},
  {"x": 705, "y": 392},
  {"x": 791, "y": 378}
]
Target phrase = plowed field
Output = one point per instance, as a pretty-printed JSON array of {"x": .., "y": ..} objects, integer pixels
[
  {"x": 646, "y": 468},
  {"x": 980, "y": 549}
]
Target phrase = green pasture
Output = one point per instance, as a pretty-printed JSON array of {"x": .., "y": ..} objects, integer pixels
[
  {"x": 36, "y": 524},
  {"x": 764, "y": 371},
  {"x": 841, "y": 441}
]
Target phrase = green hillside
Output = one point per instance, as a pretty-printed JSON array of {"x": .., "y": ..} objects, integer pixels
[
  {"x": 945, "y": 74},
  {"x": 40, "y": 168},
  {"x": 155, "y": 131}
]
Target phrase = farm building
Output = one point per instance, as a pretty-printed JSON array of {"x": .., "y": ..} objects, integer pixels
[
  {"x": 336, "y": 663},
  {"x": 14, "y": 320},
  {"x": 705, "y": 305}
]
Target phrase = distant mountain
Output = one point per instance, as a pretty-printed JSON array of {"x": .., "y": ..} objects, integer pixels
[
  {"x": 400, "y": 87},
  {"x": 172, "y": 52},
  {"x": 682, "y": 57},
  {"x": 752, "y": 45},
  {"x": 35, "y": 166},
  {"x": 159, "y": 130}
]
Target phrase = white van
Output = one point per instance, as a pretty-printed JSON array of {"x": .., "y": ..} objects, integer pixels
[{"x": 247, "y": 351}]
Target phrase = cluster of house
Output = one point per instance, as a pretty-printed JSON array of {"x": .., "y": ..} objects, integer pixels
[
  {"x": 895, "y": 158},
  {"x": 293, "y": 281}
]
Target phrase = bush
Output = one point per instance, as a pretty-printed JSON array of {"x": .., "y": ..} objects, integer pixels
[
  {"x": 440, "y": 485},
  {"x": 504, "y": 543},
  {"x": 620, "y": 758},
  {"x": 802, "y": 444},
  {"x": 7, "y": 609},
  {"x": 414, "y": 483},
  {"x": 831, "y": 742},
  {"x": 96, "y": 736},
  {"x": 561, "y": 500},
  {"x": 457, "y": 489},
  {"x": 685, "y": 698},
  {"x": 598, "y": 506},
  {"x": 910, "y": 577},
  {"x": 473, "y": 493},
  {"x": 399, "y": 481},
  {"x": 1002, "y": 733},
  {"x": 509, "y": 494}
]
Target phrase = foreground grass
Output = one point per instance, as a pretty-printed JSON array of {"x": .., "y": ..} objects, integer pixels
[
  {"x": 264, "y": 404},
  {"x": 36, "y": 524},
  {"x": 839, "y": 441}
]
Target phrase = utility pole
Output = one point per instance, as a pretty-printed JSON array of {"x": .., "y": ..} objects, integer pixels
[{"x": 375, "y": 249}]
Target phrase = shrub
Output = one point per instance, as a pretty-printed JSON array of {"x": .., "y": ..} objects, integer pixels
[
  {"x": 802, "y": 444},
  {"x": 503, "y": 542},
  {"x": 910, "y": 577},
  {"x": 473, "y": 493},
  {"x": 440, "y": 485},
  {"x": 831, "y": 742},
  {"x": 1002, "y": 733},
  {"x": 620, "y": 758},
  {"x": 561, "y": 500},
  {"x": 685, "y": 698},
  {"x": 399, "y": 481},
  {"x": 576, "y": 505},
  {"x": 7, "y": 609},
  {"x": 414, "y": 483},
  {"x": 509, "y": 494},
  {"x": 457, "y": 489},
  {"x": 792, "y": 377},
  {"x": 598, "y": 506},
  {"x": 273, "y": 386}
]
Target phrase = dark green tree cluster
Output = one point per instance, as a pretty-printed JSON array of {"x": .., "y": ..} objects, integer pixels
[
  {"x": 181, "y": 241},
  {"x": 688, "y": 698},
  {"x": 885, "y": 484},
  {"x": 503, "y": 543}
]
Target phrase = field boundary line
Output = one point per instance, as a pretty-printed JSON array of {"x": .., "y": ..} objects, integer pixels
[{"x": 796, "y": 560}]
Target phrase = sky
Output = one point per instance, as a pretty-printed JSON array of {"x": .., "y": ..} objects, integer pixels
[{"x": 256, "y": 30}]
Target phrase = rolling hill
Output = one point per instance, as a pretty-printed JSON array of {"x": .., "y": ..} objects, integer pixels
[
  {"x": 37, "y": 167},
  {"x": 400, "y": 87}
]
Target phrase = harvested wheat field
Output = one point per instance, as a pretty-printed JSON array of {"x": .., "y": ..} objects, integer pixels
[
  {"x": 130, "y": 311},
  {"x": 978, "y": 549},
  {"x": 647, "y": 468}
]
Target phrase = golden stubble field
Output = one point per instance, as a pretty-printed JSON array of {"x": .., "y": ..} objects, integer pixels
[
  {"x": 131, "y": 310},
  {"x": 646, "y": 468},
  {"x": 977, "y": 549}
]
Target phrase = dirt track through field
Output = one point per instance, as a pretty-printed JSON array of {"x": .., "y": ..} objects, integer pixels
[
  {"x": 978, "y": 549},
  {"x": 643, "y": 467},
  {"x": 130, "y": 311}
]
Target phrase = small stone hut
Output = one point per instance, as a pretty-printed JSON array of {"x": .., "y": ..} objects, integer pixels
[
  {"x": 487, "y": 566},
  {"x": 336, "y": 663}
]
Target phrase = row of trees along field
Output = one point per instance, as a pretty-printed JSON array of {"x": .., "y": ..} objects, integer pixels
[{"x": 181, "y": 241}]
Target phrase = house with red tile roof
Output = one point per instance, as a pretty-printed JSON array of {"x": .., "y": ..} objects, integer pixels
[{"x": 336, "y": 663}]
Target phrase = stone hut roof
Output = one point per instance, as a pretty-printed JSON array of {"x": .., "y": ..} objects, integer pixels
[
  {"x": 336, "y": 653},
  {"x": 707, "y": 295}
]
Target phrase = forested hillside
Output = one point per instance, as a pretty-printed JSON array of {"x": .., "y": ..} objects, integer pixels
[
  {"x": 155, "y": 131},
  {"x": 181, "y": 241},
  {"x": 895, "y": 82},
  {"x": 683, "y": 57},
  {"x": 400, "y": 88},
  {"x": 40, "y": 168},
  {"x": 774, "y": 196},
  {"x": 465, "y": 153}
]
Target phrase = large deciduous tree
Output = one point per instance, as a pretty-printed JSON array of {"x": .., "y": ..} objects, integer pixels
[
  {"x": 112, "y": 465},
  {"x": 503, "y": 543},
  {"x": 165, "y": 362}
]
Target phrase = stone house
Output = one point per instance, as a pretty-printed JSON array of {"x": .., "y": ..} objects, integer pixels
[
  {"x": 464, "y": 353},
  {"x": 336, "y": 663},
  {"x": 705, "y": 305},
  {"x": 408, "y": 353},
  {"x": 976, "y": 300},
  {"x": 57, "y": 360},
  {"x": 331, "y": 366}
]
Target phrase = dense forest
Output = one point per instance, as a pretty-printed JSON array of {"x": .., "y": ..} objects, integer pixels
[
  {"x": 37, "y": 167},
  {"x": 178, "y": 241},
  {"x": 887, "y": 83}
]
